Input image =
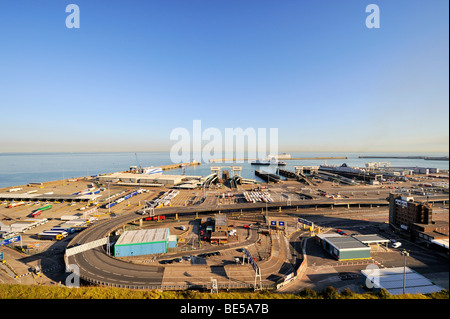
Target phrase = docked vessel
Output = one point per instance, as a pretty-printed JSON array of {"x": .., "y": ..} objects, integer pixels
[
  {"x": 267, "y": 161},
  {"x": 340, "y": 169},
  {"x": 152, "y": 170}
]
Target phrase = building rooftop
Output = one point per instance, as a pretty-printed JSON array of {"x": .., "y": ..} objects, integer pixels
[
  {"x": 221, "y": 219},
  {"x": 327, "y": 235},
  {"x": 391, "y": 279},
  {"x": 143, "y": 236},
  {"x": 371, "y": 239},
  {"x": 31, "y": 197},
  {"x": 346, "y": 243},
  {"x": 441, "y": 242}
]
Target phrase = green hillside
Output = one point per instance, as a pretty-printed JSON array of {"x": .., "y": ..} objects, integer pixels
[{"x": 8, "y": 291}]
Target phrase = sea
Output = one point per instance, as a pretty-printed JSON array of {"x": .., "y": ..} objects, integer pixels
[{"x": 18, "y": 169}]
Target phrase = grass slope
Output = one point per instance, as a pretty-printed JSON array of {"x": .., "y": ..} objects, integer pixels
[{"x": 9, "y": 291}]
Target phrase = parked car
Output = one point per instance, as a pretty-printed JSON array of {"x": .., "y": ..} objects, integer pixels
[{"x": 396, "y": 244}]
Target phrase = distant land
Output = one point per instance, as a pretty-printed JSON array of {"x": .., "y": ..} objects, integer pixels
[{"x": 430, "y": 158}]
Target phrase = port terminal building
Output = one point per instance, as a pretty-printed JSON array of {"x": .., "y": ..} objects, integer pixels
[
  {"x": 144, "y": 242},
  {"x": 344, "y": 247},
  {"x": 414, "y": 220},
  {"x": 148, "y": 179}
]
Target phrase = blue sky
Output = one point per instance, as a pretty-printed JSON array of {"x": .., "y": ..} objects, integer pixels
[{"x": 135, "y": 70}]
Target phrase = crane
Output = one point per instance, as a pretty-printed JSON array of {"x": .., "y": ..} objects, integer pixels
[{"x": 138, "y": 164}]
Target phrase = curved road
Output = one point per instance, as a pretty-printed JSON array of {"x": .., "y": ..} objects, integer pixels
[{"x": 97, "y": 267}]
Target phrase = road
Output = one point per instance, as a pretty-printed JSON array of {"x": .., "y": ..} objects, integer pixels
[{"x": 97, "y": 267}]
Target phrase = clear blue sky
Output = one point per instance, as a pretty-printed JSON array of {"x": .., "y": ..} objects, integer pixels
[{"x": 135, "y": 70}]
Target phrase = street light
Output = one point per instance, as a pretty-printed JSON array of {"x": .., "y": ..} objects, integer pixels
[
  {"x": 109, "y": 200},
  {"x": 404, "y": 254}
]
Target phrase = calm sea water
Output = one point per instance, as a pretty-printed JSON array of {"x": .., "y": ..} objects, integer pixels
[{"x": 22, "y": 168}]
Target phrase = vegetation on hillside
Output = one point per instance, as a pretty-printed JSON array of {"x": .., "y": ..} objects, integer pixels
[{"x": 10, "y": 291}]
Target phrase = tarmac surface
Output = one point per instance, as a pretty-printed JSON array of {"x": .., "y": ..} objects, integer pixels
[{"x": 359, "y": 209}]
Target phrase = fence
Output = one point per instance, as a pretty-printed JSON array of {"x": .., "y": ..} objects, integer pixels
[
  {"x": 177, "y": 287},
  {"x": 299, "y": 272}
]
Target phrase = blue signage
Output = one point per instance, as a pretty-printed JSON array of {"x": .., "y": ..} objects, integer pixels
[
  {"x": 251, "y": 260},
  {"x": 304, "y": 221},
  {"x": 10, "y": 240},
  {"x": 281, "y": 223},
  {"x": 273, "y": 223}
]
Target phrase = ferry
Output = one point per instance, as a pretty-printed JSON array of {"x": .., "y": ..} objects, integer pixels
[
  {"x": 344, "y": 168},
  {"x": 267, "y": 161},
  {"x": 152, "y": 170}
]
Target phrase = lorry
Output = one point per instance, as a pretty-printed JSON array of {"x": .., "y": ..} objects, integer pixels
[
  {"x": 50, "y": 236},
  {"x": 63, "y": 233},
  {"x": 69, "y": 230},
  {"x": 16, "y": 204},
  {"x": 38, "y": 211}
]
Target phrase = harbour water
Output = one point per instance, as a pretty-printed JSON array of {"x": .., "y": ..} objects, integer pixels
[{"x": 22, "y": 168}]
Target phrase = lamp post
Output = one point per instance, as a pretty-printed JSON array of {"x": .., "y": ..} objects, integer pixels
[
  {"x": 404, "y": 254},
  {"x": 109, "y": 200}
]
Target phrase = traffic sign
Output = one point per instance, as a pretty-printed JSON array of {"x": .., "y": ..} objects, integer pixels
[
  {"x": 281, "y": 223},
  {"x": 10, "y": 240},
  {"x": 273, "y": 223}
]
